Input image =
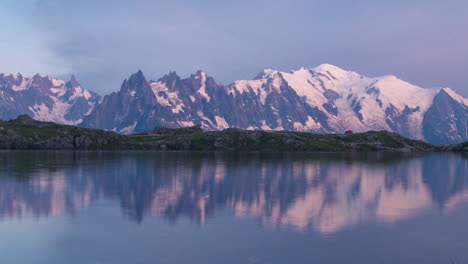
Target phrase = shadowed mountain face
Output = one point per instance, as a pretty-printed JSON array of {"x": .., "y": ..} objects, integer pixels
[
  {"x": 325, "y": 99},
  {"x": 446, "y": 120},
  {"x": 326, "y": 192}
]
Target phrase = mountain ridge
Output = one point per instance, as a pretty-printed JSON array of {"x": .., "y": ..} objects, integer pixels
[
  {"x": 45, "y": 98},
  {"x": 322, "y": 99}
]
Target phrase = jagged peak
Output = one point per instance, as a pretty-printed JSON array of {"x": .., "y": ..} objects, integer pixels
[
  {"x": 138, "y": 73},
  {"x": 171, "y": 76},
  {"x": 73, "y": 82},
  {"x": 136, "y": 82},
  {"x": 137, "y": 76},
  {"x": 199, "y": 74},
  {"x": 172, "y": 73},
  {"x": 43, "y": 82}
]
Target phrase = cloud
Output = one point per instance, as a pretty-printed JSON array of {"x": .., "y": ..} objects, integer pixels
[{"x": 105, "y": 41}]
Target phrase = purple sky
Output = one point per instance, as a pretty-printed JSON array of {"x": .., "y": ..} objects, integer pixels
[{"x": 424, "y": 42}]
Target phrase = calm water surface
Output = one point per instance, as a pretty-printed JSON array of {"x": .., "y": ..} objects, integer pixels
[{"x": 146, "y": 207}]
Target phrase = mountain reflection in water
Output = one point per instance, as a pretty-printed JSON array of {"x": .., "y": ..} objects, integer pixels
[{"x": 326, "y": 192}]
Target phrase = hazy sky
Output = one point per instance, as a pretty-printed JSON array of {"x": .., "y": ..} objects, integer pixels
[{"x": 104, "y": 41}]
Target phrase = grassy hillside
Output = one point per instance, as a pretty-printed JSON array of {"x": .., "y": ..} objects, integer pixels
[{"x": 26, "y": 133}]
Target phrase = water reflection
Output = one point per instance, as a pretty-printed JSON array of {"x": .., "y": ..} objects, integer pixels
[{"x": 323, "y": 192}]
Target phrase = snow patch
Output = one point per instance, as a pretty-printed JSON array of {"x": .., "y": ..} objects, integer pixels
[
  {"x": 129, "y": 129},
  {"x": 401, "y": 94},
  {"x": 264, "y": 125},
  {"x": 166, "y": 97},
  {"x": 310, "y": 125},
  {"x": 80, "y": 92},
  {"x": 222, "y": 124},
  {"x": 249, "y": 86},
  {"x": 202, "y": 90},
  {"x": 208, "y": 123},
  {"x": 23, "y": 86},
  {"x": 54, "y": 114},
  {"x": 186, "y": 123},
  {"x": 57, "y": 83},
  {"x": 306, "y": 85}
]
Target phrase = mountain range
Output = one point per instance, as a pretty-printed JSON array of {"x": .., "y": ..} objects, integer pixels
[
  {"x": 323, "y": 99},
  {"x": 45, "y": 98}
]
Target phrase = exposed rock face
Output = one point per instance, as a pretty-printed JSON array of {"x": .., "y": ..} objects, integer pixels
[
  {"x": 45, "y": 98},
  {"x": 446, "y": 120},
  {"x": 325, "y": 99},
  {"x": 122, "y": 111}
]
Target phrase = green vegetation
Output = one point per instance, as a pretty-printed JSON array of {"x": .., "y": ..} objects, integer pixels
[{"x": 26, "y": 133}]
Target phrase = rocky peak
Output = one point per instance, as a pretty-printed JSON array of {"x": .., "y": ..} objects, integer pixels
[
  {"x": 170, "y": 79},
  {"x": 73, "y": 82},
  {"x": 171, "y": 75},
  {"x": 41, "y": 82},
  {"x": 136, "y": 82},
  {"x": 138, "y": 87},
  {"x": 200, "y": 76},
  {"x": 137, "y": 77}
]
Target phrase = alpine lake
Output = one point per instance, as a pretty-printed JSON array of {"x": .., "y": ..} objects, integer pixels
[{"x": 112, "y": 207}]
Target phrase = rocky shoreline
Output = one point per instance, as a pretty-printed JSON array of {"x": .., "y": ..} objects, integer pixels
[{"x": 25, "y": 133}]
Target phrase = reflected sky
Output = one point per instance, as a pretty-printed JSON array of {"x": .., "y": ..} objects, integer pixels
[{"x": 165, "y": 197}]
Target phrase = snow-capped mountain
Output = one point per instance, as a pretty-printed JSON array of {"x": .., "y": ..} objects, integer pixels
[
  {"x": 45, "y": 98},
  {"x": 324, "y": 99}
]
